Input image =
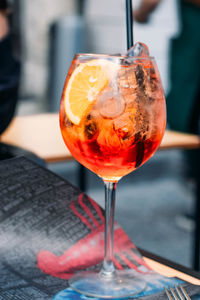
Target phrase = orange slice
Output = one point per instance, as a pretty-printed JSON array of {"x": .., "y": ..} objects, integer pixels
[{"x": 84, "y": 85}]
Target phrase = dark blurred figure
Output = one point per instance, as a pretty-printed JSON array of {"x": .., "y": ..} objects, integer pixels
[
  {"x": 183, "y": 100},
  {"x": 9, "y": 85},
  {"x": 143, "y": 12},
  {"x": 9, "y": 70}
]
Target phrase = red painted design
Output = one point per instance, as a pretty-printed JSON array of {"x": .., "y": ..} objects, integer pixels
[{"x": 89, "y": 251}]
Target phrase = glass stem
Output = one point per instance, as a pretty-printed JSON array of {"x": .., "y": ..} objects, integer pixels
[{"x": 108, "y": 266}]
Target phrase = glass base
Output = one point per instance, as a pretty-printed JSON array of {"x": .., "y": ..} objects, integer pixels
[{"x": 121, "y": 284}]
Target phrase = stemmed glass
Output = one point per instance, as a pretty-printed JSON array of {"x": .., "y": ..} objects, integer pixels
[{"x": 112, "y": 119}]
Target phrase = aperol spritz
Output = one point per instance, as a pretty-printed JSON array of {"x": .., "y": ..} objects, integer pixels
[{"x": 112, "y": 119}]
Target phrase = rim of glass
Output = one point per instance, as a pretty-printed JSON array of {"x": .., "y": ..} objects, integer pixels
[{"x": 120, "y": 57}]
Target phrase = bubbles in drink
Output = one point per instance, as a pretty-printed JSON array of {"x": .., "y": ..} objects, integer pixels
[{"x": 140, "y": 76}]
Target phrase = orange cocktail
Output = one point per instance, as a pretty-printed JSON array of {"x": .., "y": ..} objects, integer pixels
[
  {"x": 112, "y": 113},
  {"x": 112, "y": 119}
]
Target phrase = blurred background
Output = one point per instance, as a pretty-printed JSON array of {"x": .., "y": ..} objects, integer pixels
[
  {"x": 48, "y": 33},
  {"x": 155, "y": 202}
]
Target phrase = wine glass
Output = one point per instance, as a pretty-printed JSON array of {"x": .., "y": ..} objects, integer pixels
[{"x": 112, "y": 119}]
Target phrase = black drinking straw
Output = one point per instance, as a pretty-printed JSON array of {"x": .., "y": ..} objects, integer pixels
[{"x": 129, "y": 24}]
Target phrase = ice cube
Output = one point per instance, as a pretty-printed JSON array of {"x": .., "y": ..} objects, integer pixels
[
  {"x": 110, "y": 103},
  {"x": 139, "y": 50},
  {"x": 126, "y": 78},
  {"x": 124, "y": 125}
]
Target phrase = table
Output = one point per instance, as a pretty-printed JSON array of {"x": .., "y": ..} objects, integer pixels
[
  {"x": 42, "y": 218},
  {"x": 169, "y": 268}
]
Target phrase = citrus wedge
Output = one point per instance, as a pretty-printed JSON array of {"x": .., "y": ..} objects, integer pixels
[{"x": 84, "y": 85}]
